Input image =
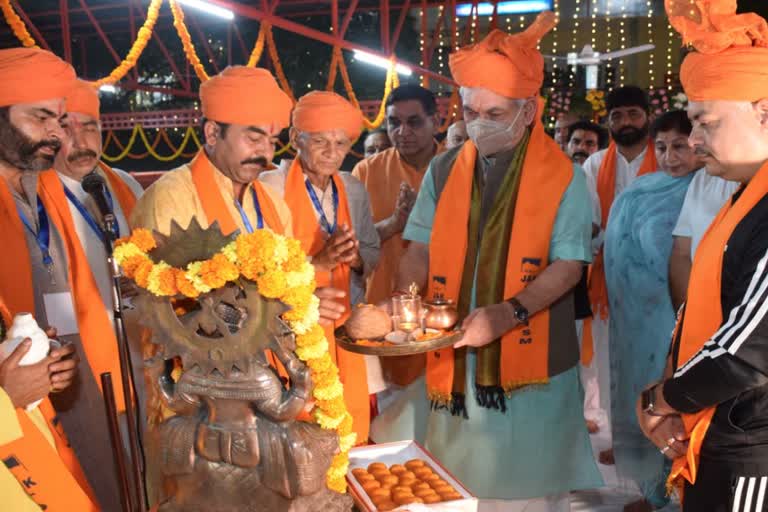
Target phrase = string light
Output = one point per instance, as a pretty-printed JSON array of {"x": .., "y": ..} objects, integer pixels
[
  {"x": 509, "y": 26},
  {"x": 609, "y": 71},
  {"x": 574, "y": 32},
  {"x": 623, "y": 39},
  {"x": 440, "y": 63},
  {"x": 421, "y": 47},
  {"x": 458, "y": 35},
  {"x": 651, "y": 60},
  {"x": 556, "y": 9},
  {"x": 670, "y": 39},
  {"x": 474, "y": 28}
]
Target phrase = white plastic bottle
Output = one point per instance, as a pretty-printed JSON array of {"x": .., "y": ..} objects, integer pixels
[{"x": 25, "y": 326}]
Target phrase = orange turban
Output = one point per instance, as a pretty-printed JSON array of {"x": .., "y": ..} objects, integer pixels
[
  {"x": 509, "y": 65},
  {"x": 245, "y": 96},
  {"x": 84, "y": 99},
  {"x": 28, "y": 75},
  {"x": 320, "y": 111},
  {"x": 731, "y": 57}
]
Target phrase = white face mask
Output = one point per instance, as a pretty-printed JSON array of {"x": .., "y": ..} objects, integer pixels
[{"x": 491, "y": 137}]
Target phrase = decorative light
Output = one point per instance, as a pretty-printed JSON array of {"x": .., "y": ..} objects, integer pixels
[
  {"x": 623, "y": 38},
  {"x": 651, "y": 63},
  {"x": 381, "y": 62},
  {"x": 209, "y": 8},
  {"x": 509, "y": 7}
]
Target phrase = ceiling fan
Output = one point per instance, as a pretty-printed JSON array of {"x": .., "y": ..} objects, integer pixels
[{"x": 592, "y": 59}]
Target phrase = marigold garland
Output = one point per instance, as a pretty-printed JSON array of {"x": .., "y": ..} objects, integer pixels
[
  {"x": 279, "y": 268},
  {"x": 186, "y": 41},
  {"x": 17, "y": 25},
  {"x": 142, "y": 38},
  {"x": 258, "y": 48}
]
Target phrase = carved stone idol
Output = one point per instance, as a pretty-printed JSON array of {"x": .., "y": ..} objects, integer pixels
[{"x": 228, "y": 438}]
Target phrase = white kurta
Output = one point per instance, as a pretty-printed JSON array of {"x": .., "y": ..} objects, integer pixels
[
  {"x": 91, "y": 243},
  {"x": 596, "y": 377},
  {"x": 705, "y": 197}
]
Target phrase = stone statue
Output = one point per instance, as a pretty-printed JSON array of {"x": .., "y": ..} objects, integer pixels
[{"x": 234, "y": 442}]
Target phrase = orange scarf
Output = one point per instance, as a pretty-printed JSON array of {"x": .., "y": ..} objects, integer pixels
[
  {"x": 307, "y": 230},
  {"x": 96, "y": 331},
  {"x": 545, "y": 176},
  {"x": 123, "y": 192},
  {"x": 213, "y": 204},
  {"x": 59, "y": 481},
  {"x": 703, "y": 310},
  {"x": 606, "y": 192}
]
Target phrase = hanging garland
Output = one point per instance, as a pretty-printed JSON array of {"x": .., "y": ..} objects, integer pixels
[
  {"x": 258, "y": 48},
  {"x": 186, "y": 41},
  {"x": 17, "y": 25},
  {"x": 265, "y": 37},
  {"x": 142, "y": 38},
  {"x": 190, "y": 137}
]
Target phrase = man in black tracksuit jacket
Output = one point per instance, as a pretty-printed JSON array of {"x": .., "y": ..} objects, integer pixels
[{"x": 727, "y": 81}]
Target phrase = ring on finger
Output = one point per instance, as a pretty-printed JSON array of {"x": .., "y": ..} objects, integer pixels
[
  {"x": 671, "y": 441},
  {"x": 664, "y": 450}
]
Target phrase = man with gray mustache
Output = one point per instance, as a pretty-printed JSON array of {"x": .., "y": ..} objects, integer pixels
[{"x": 80, "y": 155}]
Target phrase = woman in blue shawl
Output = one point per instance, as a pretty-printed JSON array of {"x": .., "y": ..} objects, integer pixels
[{"x": 638, "y": 243}]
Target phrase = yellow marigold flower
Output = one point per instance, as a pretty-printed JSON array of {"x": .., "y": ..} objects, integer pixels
[
  {"x": 346, "y": 425},
  {"x": 230, "y": 252},
  {"x": 314, "y": 335},
  {"x": 339, "y": 467},
  {"x": 347, "y": 442},
  {"x": 143, "y": 239},
  {"x": 336, "y": 484},
  {"x": 325, "y": 421},
  {"x": 296, "y": 256},
  {"x": 280, "y": 254},
  {"x": 313, "y": 351},
  {"x": 320, "y": 364},
  {"x": 328, "y": 391},
  {"x": 125, "y": 251},
  {"x": 193, "y": 275},
  {"x": 302, "y": 277}
]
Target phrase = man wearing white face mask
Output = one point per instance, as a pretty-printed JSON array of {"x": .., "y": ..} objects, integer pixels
[{"x": 502, "y": 226}]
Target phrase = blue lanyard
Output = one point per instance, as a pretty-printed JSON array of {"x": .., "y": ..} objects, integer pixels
[
  {"x": 87, "y": 215},
  {"x": 319, "y": 208},
  {"x": 43, "y": 235},
  {"x": 246, "y": 221}
]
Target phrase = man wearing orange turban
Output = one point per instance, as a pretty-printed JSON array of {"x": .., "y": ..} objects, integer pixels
[
  {"x": 244, "y": 110},
  {"x": 43, "y": 270},
  {"x": 80, "y": 155},
  {"x": 501, "y": 226},
  {"x": 706, "y": 412},
  {"x": 332, "y": 219}
]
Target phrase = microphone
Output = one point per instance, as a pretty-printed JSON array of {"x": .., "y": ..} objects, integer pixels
[{"x": 95, "y": 186}]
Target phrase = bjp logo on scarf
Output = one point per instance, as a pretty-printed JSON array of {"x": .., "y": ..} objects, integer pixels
[{"x": 529, "y": 268}]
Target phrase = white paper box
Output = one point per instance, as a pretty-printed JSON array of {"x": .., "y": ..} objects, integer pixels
[{"x": 399, "y": 453}]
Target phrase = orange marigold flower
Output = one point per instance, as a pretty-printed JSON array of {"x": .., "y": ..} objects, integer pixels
[
  {"x": 184, "y": 285},
  {"x": 315, "y": 335},
  {"x": 272, "y": 285},
  {"x": 167, "y": 282},
  {"x": 131, "y": 264},
  {"x": 346, "y": 425},
  {"x": 143, "y": 239},
  {"x": 141, "y": 276}
]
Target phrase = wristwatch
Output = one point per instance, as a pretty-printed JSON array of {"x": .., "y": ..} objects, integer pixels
[
  {"x": 520, "y": 311},
  {"x": 647, "y": 399}
]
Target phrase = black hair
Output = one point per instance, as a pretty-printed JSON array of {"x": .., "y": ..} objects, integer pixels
[
  {"x": 587, "y": 126},
  {"x": 414, "y": 92},
  {"x": 673, "y": 120},
  {"x": 223, "y": 126},
  {"x": 376, "y": 131},
  {"x": 627, "y": 96}
]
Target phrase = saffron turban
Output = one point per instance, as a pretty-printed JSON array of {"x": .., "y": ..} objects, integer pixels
[
  {"x": 245, "y": 96},
  {"x": 84, "y": 99},
  {"x": 731, "y": 57},
  {"x": 507, "y": 64},
  {"x": 321, "y": 111},
  {"x": 31, "y": 74}
]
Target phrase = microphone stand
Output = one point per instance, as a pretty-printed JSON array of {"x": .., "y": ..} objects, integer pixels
[{"x": 138, "y": 501}]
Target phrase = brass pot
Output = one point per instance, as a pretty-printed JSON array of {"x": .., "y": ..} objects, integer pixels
[{"x": 441, "y": 314}]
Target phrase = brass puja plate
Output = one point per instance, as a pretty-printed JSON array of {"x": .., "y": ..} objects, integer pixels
[{"x": 381, "y": 347}]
